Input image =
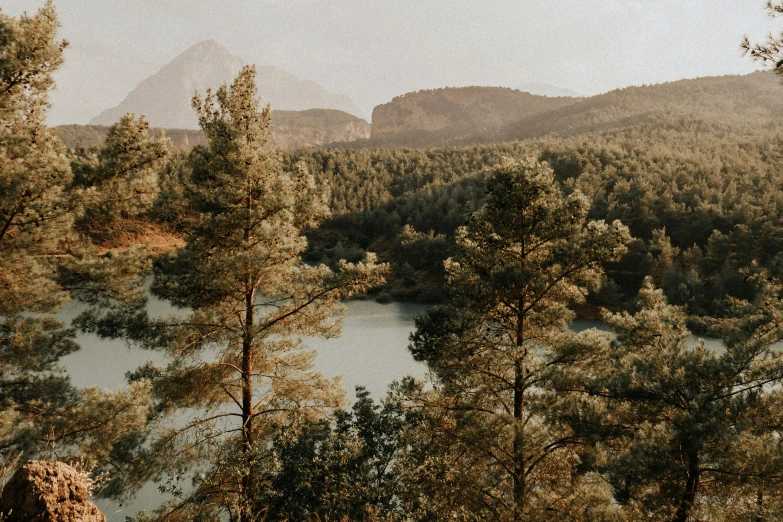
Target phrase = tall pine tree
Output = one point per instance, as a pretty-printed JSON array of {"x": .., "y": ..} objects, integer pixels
[
  {"x": 238, "y": 363},
  {"x": 41, "y": 413},
  {"x": 522, "y": 259}
]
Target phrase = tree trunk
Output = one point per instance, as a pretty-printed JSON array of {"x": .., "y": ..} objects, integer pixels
[
  {"x": 691, "y": 488},
  {"x": 519, "y": 396},
  {"x": 519, "y": 458},
  {"x": 760, "y": 506},
  {"x": 246, "y": 491},
  {"x": 247, "y": 409}
]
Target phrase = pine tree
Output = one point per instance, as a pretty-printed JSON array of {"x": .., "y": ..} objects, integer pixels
[
  {"x": 34, "y": 173},
  {"x": 123, "y": 176},
  {"x": 41, "y": 413},
  {"x": 238, "y": 363},
  {"x": 522, "y": 259},
  {"x": 344, "y": 467},
  {"x": 770, "y": 52},
  {"x": 687, "y": 432}
]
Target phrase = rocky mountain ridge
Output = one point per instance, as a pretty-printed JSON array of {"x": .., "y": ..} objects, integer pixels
[{"x": 442, "y": 115}]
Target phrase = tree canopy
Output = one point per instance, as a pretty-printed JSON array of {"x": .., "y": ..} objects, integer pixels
[
  {"x": 43, "y": 263},
  {"x": 521, "y": 260},
  {"x": 238, "y": 363}
]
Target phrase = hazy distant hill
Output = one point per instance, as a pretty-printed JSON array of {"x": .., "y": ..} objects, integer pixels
[
  {"x": 164, "y": 98},
  {"x": 545, "y": 89},
  {"x": 459, "y": 116},
  {"x": 453, "y": 114},
  {"x": 733, "y": 103},
  {"x": 292, "y": 129}
]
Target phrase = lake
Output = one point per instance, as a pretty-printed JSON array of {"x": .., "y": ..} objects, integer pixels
[{"x": 371, "y": 352}]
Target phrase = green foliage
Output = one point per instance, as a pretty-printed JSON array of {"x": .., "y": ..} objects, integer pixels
[
  {"x": 521, "y": 260},
  {"x": 238, "y": 367},
  {"x": 90, "y": 136},
  {"x": 343, "y": 468},
  {"x": 34, "y": 175},
  {"x": 122, "y": 176},
  {"x": 684, "y": 432},
  {"x": 41, "y": 414},
  {"x": 172, "y": 208},
  {"x": 421, "y": 251},
  {"x": 691, "y": 184}
]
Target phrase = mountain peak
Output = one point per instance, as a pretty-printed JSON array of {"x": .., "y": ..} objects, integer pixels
[
  {"x": 164, "y": 98},
  {"x": 205, "y": 47},
  {"x": 209, "y": 43}
]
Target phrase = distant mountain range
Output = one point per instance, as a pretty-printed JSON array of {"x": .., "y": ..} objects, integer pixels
[
  {"x": 305, "y": 114},
  {"x": 165, "y": 97}
]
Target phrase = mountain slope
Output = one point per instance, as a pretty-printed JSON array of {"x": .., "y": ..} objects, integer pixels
[
  {"x": 460, "y": 116},
  {"x": 739, "y": 103},
  {"x": 164, "y": 98},
  {"x": 453, "y": 114},
  {"x": 292, "y": 130}
]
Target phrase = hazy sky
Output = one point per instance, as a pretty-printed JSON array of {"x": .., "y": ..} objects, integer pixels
[{"x": 373, "y": 50}]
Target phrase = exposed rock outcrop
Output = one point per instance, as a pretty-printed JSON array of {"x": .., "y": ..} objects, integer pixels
[
  {"x": 450, "y": 115},
  {"x": 43, "y": 491},
  {"x": 316, "y": 127}
]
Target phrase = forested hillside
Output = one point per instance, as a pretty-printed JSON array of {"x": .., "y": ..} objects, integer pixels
[
  {"x": 293, "y": 129},
  {"x": 461, "y": 116},
  {"x": 726, "y": 104},
  {"x": 694, "y": 171},
  {"x": 702, "y": 202},
  {"x": 692, "y": 167}
]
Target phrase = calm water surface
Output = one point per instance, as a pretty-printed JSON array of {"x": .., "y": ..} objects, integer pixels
[{"x": 371, "y": 352}]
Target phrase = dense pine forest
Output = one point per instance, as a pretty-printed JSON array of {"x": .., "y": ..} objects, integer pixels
[
  {"x": 703, "y": 207},
  {"x": 656, "y": 209}
]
